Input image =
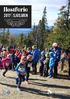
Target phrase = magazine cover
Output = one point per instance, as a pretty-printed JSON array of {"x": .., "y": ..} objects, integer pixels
[{"x": 34, "y": 49}]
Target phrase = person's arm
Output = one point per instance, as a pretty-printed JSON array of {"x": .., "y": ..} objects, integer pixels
[
  {"x": 17, "y": 67},
  {"x": 51, "y": 62}
]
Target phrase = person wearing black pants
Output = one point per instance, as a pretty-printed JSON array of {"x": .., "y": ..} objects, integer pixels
[
  {"x": 19, "y": 80},
  {"x": 28, "y": 65},
  {"x": 55, "y": 69},
  {"x": 27, "y": 73},
  {"x": 6, "y": 69},
  {"x": 57, "y": 54},
  {"x": 34, "y": 65}
]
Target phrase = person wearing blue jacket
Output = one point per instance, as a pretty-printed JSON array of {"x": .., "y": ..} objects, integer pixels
[
  {"x": 21, "y": 72},
  {"x": 57, "y": 52},
  {"x": 36, "y": 57},
  {"x": 51, "y": 63}
]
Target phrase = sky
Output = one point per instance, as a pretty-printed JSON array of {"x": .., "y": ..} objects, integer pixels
[{"x": 52, "y": 6}]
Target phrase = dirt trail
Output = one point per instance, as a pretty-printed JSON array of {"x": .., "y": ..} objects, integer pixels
[{"x": 39, "y": 87}]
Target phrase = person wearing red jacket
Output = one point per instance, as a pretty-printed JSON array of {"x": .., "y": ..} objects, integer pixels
[{"x": 6, "y": 63}]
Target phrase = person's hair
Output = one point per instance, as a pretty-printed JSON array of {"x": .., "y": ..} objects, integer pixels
[{"x": 23, "y": 58}]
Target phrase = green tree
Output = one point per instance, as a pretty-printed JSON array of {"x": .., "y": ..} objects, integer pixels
[
  {"x": 20, "y": 40},
  {"x": 61, "y": 29},
  {"x": 42, "y": 30}
]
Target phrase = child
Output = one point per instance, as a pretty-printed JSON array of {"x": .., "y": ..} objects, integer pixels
[
  {"x": 21, "y": 72},
  {"x": 1, "y": 66},
  {"x": 28, "y": 66},
  {"x": 6, "y": 62},
  {"x": 15, "y": 60},
  {"x": 42, "y": 63},
  {"x": 51, "y": 63}
]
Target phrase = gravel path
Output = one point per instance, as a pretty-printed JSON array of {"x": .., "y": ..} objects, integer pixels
[{"x": 39, "y": 87}]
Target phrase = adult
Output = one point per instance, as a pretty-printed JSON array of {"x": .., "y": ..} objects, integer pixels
[
  {"x": 36, "y": 56},
  {"x": 57, "y": 53}
]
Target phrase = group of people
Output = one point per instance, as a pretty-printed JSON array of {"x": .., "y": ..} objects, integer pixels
[
  {"x": 21, "y": 61},
  {"x": 53, "y": 60},
  {"x": 24, "y": 61}
]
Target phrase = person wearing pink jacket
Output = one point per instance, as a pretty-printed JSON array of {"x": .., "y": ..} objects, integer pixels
[
  {"x": 1, "y": 66},
  {"x": 6, "y": 62}
]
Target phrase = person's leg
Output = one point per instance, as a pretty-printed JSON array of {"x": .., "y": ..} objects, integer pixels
[
  {"x": 55, "y": 69},
  {"x": 47, "y": 68},
  {"x": 18, "y": 81},
  {"x": 51, "y": 72},
  {"x": 34, "y": 66},
  {"x": 23, "y": 79},
  {"x": 45, "y": 71},
  {"x": 6, "y": 69},
  {"x": 35, "y": 69},
  {"x": 62, "y": 64},
  {"x": 27, "y": 73},
  {"x": 10, "y": 66},
  {"x": 41, "y": 70},
  {"x": 13, "y": 66}
]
